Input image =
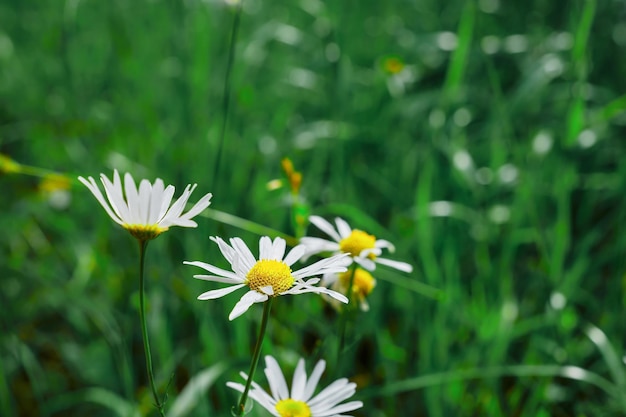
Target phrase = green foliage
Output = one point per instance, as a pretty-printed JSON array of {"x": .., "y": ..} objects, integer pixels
[{"x": 482, "y": 138}]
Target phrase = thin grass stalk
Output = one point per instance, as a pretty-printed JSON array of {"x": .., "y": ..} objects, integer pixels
[{"x": 227, "y": 90}]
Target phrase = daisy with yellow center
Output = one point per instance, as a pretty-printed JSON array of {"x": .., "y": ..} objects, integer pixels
[
  {"x": 145, "y": 211},
  {"x": 363, "y": 284},
  {"x": 299, "y": 401},
  {"x": 362, "y": 247},
  {"x": 269, "y": 276}
]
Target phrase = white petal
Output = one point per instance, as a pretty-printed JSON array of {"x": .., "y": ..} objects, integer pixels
[
  {"x": 365, "y": 263},
  {"x": 299, "y": 381},
  {"x": 236, "y": 386},
  {"x": 343, "y": 227},
  {"x": 329, "y": 279},
  {"x": 276, "y": 379},
  {"x": 246, "y": 258},
  {"x": 335, "y": 263},
  {"x": 334, "y": 411},
  {"x": 239, "y": 266},
  {"x": 115, "y": 195},
  {"x": 381, "y": 243},
  {"x": 172, "y": 216},
  {"x": 315, "y": 245},
  {"x": 215, "y": 278},
  {"x": 198, "y": 208},
  {"x": 400, "y": 266},
  {"x": 156, "y": 198},
  {"x": 215, "y": 270},
  {"x": 334, "y": 393},
  {"x": 245, "y": 302},
  {"x": 168, "y": 193},
  {"x": 265, "y": 247},
  {"x": 365, "y": 253},
  {"x": 213, "y": 294},
  {"x": 294, "y": 255},
  {"x": 228, "y": 252},
  {"x": 93, "y": 187},
  {"x": 258, "y": 394},
  {"x": 268, "y": 289},
  {"x": 325, "y": 227},
  {"x": 145, "y": 189},
  {"x": 311, "y": 384},
  {"x": 301, "y": 289},
  {"x": 132, "y": 199},
  {"x": 278, "y": 248}
]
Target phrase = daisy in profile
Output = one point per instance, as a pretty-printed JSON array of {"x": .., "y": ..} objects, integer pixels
[
  {"x": 145, "y": 211},
  {"x": 364, "y": 248},
  {"x": 363, "y": 284},
  {"x": 270, "y": 276},
  {"x": 299, "y": 401}
]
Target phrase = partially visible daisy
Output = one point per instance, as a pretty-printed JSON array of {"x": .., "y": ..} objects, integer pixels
[
  {"x": 145, "y": 212},
  {"x": 364, "y": 248},
  {"x": 299, "y": 402},
  {"x": 362, "y": 285},
  {"x": 270, "y": 276}
]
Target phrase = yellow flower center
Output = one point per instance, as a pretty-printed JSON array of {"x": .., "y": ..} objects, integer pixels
[
  {"x": 293, "y": 408},
  {"x": 363, "y": 283},
  {"x": 145, "y": 232},
  {"x": 356, "y": 242},
  {"x": 269, "y": 272}
]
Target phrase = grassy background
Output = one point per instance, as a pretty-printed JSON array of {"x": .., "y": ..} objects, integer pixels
[{"x": 490, "y": 158}]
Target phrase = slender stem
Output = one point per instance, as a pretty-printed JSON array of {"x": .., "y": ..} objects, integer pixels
[
  {"x": 227, "y": 87},
  {"x": 240, "y": 411},
  {"x": 348, "y": 310},
  {"x": 144, "y": 328}
]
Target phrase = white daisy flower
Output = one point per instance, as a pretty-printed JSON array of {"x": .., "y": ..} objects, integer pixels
[
  {"x": 363, "y": 284},
  {"x": 364, "y": 248},
  {"x": 145, "y": 212},
  {"x": 270, "y": 276},
  {"x": 300, "y": 401}
]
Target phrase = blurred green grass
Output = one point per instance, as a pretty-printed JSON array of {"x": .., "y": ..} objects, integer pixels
[{"x": 489, "y": 156}]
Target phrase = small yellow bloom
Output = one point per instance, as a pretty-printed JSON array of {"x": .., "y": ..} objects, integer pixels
[
  {"x": 362, "y": 284},
  {"x": 294, "y": 177}
]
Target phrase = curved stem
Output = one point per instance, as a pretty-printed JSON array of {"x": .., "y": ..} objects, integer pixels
[
  {"x": 240, "y": 411},
  {"x": 144, "y": 328}
]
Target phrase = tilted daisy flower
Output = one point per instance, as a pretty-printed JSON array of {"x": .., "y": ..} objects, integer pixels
[
  {"x": 363, "y": 284},
  {"x": 145, "y": 211},
  {"x": 364, "y": 248},
  {"x": 270, "y": 276},
  {"x": 300, "y": 402}
]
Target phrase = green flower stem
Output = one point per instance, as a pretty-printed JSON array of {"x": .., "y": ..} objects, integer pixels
[
  {"x": 240, "y": 411},
  {"x": 345, "y": 313},
  {"x": 144, "y": 328}
]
